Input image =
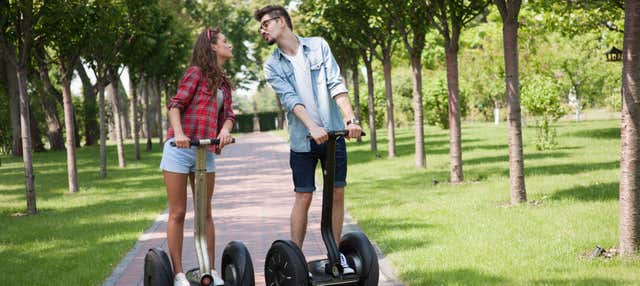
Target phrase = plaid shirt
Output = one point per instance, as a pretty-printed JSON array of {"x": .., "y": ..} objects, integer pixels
[{"x": 199, "y": 108}]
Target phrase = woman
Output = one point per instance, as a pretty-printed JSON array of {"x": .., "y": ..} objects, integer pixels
[{"x": 200, "y": 109}]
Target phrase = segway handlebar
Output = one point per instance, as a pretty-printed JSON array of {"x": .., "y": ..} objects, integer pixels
[
  {"x": 337, "y": 133},
  {"x": 203, "y": 142}
]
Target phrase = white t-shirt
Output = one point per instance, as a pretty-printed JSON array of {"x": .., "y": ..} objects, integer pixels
[
  {"x": 220, "y": 99},
  {"x": 302, "y": 72}
]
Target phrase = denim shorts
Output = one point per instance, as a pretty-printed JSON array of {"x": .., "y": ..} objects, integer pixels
[
  {"x": 183, "y": 160},
  {"x": 303, "y": 165}
]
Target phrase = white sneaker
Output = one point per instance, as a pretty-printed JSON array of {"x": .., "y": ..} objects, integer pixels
[
  {"x": 217, "y": 280},
  {"x": 181, "y": 280},
  {"x": 346, "y": 269}
]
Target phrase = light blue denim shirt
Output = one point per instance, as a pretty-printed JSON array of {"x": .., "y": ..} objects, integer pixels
[{"x": 325, "y": 79}]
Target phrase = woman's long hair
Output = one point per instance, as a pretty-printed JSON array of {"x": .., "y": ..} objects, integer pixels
[{"x": 205, "y": 58}]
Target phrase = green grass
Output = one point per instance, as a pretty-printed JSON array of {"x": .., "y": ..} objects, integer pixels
[
  {"x": 76, "y": 239},
  {"x": 467, "y": 234},
  {"x": 433, "y": 234}
]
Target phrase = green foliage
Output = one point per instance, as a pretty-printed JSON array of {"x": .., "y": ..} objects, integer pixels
[
  {"x": 436, "y": 103},
  {"x": 543, "y": 97}
]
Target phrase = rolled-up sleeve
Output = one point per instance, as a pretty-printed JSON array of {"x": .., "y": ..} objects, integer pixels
[
  {"x": 334, "y": 78},
  {"x": 282, "y": 88},
  {"x": 186, "y": 89},
  {"x": 228, "y": 109}
]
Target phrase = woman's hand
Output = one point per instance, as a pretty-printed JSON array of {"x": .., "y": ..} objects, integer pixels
[
  {"x": 182, "y": 141},
  {"x": 225, "y": 139}
]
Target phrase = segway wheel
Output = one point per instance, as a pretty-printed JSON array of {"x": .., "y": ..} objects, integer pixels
[
  {"x": 285, "y": 265},
  {"x": 361, "y": 256},
  {"x": 157, "y": 268},
  {"x": 237, "y": 268}
]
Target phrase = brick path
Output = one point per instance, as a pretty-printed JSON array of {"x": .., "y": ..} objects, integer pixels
[{"x": 252, "y": 202}]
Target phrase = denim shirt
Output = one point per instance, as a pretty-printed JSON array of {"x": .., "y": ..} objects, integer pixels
[{"x": 325, "y": 80}]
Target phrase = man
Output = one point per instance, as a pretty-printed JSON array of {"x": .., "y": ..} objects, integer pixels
[{"x": 306, "y": 78}]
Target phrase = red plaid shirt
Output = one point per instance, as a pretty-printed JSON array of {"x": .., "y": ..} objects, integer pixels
[{"x": 199, "y": 108}]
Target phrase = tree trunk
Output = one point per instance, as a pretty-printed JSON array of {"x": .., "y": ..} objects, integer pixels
[
  {"x": 91, "y": 130},
  {"x": 36, "y": 136},
  {"x": 630, "y": 143},
  {"x": 158, "y": 93},
  {"x": 26, "y": 140},
  {"x": 372, "y": 105},
  {"x": 516, "y": 158},
  {"x": 49, "y": 104},
  {"x": 124, "y": 111},
  {"x": 455, "y": 148},
  {"x": 133, "y": 89},
  {"x": 103, "y": 128},
  {"x": 418, "y": 121},
  {"x": 147, "y": 113},
  {"x": 115, "y": 104},
  {"x": 14, "y": 108},
  {"x": 356, "y": 92},
  {"x": 69, "y": 125},
  {"x": 386, "y": 62}
]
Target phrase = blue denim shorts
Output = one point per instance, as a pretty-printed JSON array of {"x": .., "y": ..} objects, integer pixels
[
  {"x": 183, "y": 160},
  {"x": 303, "y": 166}
]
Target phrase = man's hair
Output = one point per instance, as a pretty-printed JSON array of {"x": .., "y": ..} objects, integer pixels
[{"x": 273, "y": 11}]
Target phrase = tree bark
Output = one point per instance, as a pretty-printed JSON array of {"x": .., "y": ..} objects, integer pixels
[
  {"x": 158, "y": 93},
  {"x": 14, "y": 107},
  {"x": 49, "y": 102},
  {"x": 371, "y": 103},
  {"x": 69, "y": 127},
  {"x": 630, "y": 143},
  {"x": 103, "y": 129},
  {"x": 509, "y": 12},
  {"x": 356, "y": 92},
  {"x": 91, "y": 130},
  {"x": 116, "y": 109},
  {"x": 147, "y": 113},
  {"x": 133, "y": 89},
  {"x": 455, "y": 148},
  {"x": 386, "y": 62},
  {"x": 26, "y": 140},
  {"x": 418, "y": 118}
]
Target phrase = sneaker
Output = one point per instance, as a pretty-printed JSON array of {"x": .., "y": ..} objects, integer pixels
[
  {"x": 346, "y": 269},
  {"x": 217, "y": 280},
  {"x": 181, "y": 280}
]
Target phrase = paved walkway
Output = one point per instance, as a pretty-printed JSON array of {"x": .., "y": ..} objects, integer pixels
[{"x": 252, "y": 202}]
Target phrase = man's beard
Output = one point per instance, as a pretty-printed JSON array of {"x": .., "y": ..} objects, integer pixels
[{"x": 271, "y": 42}]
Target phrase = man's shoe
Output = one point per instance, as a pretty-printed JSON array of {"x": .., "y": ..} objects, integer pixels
[
  {"x": 346, "y": 269},
  {"x": 181, "y": 280},
  {"x": 217, "y": 280}
]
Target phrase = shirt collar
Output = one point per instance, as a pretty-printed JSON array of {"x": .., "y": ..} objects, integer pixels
[{"x": 303, "y": 42}]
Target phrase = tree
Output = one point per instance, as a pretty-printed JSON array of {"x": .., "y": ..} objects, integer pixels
[
  {"x": 24, "y": 16},
  {"x": 66, "y": 20},
  {"x": 509, "y": 11},
  {"x": 630, "y": 145},
  {"x": 449, "y": 17},
  {"x": 409, "y": 20}
]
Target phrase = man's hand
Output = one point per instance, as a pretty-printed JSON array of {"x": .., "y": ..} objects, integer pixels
[
  {"x": 318, "y": 134},
  {"x": 355, "y": 131},
  {"x": 182, "y": 141}
]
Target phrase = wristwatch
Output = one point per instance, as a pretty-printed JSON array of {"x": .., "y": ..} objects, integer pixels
[{"x": 353, "y": 120}]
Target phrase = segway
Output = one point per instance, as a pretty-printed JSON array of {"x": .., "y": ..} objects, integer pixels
[
  {"x": 237, "y": 268},
  {"x": 285, "y": 264}
]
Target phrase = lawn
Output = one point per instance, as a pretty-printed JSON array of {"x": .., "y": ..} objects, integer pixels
[
  {"x": 433, "y": 234},
  {"x": 76, "y": 239},
  {"x": 466, "y": 234}
]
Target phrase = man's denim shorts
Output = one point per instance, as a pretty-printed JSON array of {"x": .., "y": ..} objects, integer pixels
[
  {"x": 303, "y": 166},
  {"x": 183, "y": 160}
]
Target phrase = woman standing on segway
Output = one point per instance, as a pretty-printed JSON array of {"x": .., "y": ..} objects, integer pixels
[{"x": 200, "y": 109}]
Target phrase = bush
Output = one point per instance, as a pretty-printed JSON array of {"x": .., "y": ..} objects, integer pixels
[
  {"x": 436, "y": 104},
  {"x": 543, "y": 97}
]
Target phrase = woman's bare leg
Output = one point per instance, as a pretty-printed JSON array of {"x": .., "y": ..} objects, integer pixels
[{"x": 177, "y": 196}]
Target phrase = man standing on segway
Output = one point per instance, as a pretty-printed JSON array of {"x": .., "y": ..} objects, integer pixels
[{"x": 305, "y": 76}]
